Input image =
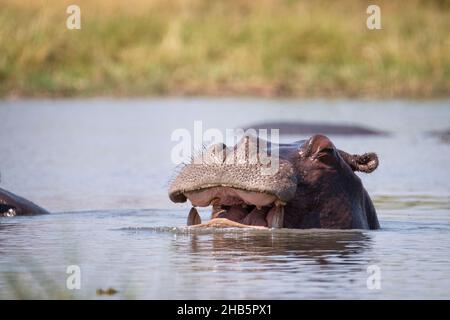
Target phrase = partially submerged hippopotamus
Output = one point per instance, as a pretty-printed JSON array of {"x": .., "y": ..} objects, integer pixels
[
  {"x": 13, "y": 205},
  {"x": 314, "y": 186}
]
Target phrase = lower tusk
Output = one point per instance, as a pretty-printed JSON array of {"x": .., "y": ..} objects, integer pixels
[
  {"x": 277, "y": 220},
  {"x": 193, "y": 217},
  {"x": 279, "y": 203}
]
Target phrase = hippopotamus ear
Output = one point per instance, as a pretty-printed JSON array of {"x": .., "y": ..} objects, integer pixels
[{"x": 367, "y": 162}]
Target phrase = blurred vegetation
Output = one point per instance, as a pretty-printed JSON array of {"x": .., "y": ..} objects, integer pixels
[{"x": 234, "y": 47}]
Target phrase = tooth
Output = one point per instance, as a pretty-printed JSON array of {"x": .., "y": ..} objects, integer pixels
[
  {"x": 277, "y": 219},
  {"x": 193, "y": 217},
  {"x": 258, "y": 207},
  {"x": 278, "y": 203}
]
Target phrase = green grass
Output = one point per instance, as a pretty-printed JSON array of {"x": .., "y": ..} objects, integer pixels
[{"x": 211, "y": 47}]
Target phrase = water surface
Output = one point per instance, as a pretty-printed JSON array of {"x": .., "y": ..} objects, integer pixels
[{"x": 102, "y": 168}]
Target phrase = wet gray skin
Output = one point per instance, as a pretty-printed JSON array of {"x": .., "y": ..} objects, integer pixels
[{"x": 238, "y": 183}]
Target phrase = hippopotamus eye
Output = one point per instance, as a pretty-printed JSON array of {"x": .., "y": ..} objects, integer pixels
[
  {"x": 326, "y": 155},
  {"x": 327, "y": 150}
]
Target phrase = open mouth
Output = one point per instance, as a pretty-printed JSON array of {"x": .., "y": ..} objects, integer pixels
[
  {"x": 234, "y": 207},
  {"x": 240, "y": 191}
]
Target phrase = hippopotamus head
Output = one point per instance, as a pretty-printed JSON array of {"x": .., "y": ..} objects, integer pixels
[
  {"x": 14, "y": 205},
  {"x": 314, "y": 185}
]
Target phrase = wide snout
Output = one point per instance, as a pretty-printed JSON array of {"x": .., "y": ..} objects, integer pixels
[
  {"x": 249, "y": 166},
  {"x": 203, "y": 183},
  {"x": 237, "y": 184}
]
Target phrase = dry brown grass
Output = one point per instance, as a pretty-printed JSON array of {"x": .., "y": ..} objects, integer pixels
[{"x": 211, "y": 47}]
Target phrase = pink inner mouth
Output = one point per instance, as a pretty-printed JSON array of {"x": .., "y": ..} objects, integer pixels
[
  {"x": 246, "y": 207},
  {"x": 229, "y": 197}
]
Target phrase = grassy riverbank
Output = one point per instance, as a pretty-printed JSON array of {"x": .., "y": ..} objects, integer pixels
[{"x": 207, "y": 47}]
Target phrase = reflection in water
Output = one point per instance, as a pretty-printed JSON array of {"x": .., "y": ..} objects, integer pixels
[
  {"x": 276, "y": 248},
  {"x": 129, "y": 251}
]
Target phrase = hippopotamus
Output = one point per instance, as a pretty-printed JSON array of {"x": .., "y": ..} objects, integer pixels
[
  {"x": 304, "y": 128},
  {"x": 13, "y": 205},
  {"x": 314, "y": 186},
  {"x": 443, "y": 135}
]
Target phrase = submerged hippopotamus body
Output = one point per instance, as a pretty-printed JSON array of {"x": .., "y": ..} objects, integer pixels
[
  {"x": 314, "y": 186},
  {"x": 306, "y": 128},
  {"x": 13, "y": 205}
]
